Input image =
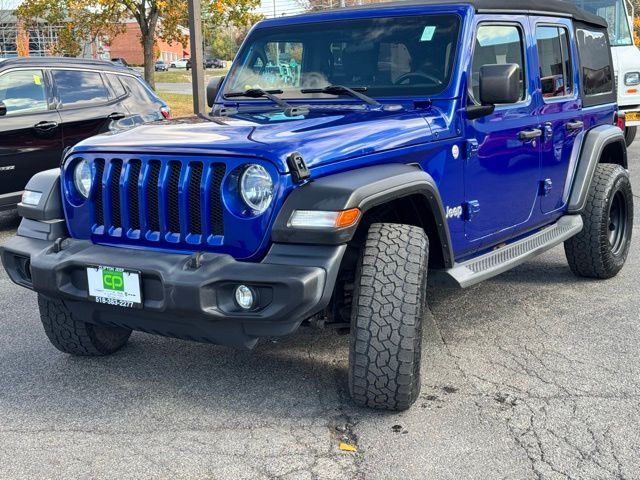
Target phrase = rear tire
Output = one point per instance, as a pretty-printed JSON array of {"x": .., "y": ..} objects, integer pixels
[
  {"x": 630, "y": 135},
  {"x": 76, "y": 337},
  {"x": 386, "y": 317},
  {"x": 601, "y": 248}
]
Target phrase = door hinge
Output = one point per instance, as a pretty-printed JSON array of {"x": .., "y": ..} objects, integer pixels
[
  {"x": 472, "y": 149},
  {"x": 470, "y": 210},
  {"x": 545, "y": 187}
]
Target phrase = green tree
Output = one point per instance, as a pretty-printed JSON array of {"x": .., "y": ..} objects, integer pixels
[{"x": 90, "y": 19}]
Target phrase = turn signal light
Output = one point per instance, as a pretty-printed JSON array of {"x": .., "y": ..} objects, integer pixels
[{"x": 346, "y": 218}]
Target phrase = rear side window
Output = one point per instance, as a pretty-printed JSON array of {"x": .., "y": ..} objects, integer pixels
[
  {"x": 116, "y": 85},
  {"x": 138, "y": 89},
  {"x": 556, "y": 72},
  {"x": 596, "y": 72},
  {"x": 79, "y": 88},
  {"x": 498, "y": 45},
  {"x": 23, "y": 91}
]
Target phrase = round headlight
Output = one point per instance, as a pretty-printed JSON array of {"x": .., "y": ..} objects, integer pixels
[
  {"x": 82, "y": 178},
  {"x": 256, "y": 188}
]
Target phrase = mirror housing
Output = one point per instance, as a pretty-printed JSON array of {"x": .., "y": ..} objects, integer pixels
[
  {"x": 3, "y": 109},
  {"x": 213, "y": 88},
  {"x": 499, "y": 84}
]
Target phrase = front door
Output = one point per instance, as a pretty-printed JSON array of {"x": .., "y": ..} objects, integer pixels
[
  {"x": 560, "y": 109},
  {"x": 501, "y": 177},
  {"x": 30, "y": 134}
]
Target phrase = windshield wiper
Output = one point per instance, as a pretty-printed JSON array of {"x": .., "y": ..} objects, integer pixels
[
  {"x": 288, "y": 109},
  {"x": 342, "y": 90}
]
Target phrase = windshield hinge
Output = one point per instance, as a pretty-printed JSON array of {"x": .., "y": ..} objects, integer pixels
[
  {"x": 298, "y": 167},
  {"x": 472, "y": 148}
]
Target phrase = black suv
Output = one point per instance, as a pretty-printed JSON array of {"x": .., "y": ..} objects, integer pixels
[{"x": 49, "y": 104}]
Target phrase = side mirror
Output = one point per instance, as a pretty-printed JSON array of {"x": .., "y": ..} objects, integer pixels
[
  {"x": 3, "y": 109},
  {"x": 499, "y": 84},
  {"x": 212, "y": 89}
]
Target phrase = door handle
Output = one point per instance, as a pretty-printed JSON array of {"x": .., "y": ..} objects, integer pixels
[
  {"x": 116, "y": 116},
  {"x": 571, "y": 126},
  {"x": 530, "y": 134},
  {"x": 45, "y": 126}
]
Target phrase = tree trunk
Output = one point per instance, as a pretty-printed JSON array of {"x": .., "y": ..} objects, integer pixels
[{"x": 148, "y": 44}]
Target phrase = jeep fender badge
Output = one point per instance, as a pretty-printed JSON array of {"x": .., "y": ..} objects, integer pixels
[{"x": 298, "y": 167}]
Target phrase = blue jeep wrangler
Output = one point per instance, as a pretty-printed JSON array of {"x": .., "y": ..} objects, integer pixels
[{"x": 346, "y": 154}]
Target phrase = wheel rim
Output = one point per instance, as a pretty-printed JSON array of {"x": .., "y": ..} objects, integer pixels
[{"x": 617, "y": 223}]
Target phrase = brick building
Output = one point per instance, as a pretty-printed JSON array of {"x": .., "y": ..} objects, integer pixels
[{"x": 127, "y": 45}]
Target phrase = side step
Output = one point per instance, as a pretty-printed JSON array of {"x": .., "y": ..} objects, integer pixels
[{"x": 490, "y": 264}]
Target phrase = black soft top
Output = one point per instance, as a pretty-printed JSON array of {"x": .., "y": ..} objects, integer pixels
[{"x": 539, "y": 7}]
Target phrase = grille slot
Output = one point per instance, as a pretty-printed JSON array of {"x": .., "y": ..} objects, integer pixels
[
  {"x": 116, "y": 172},
  {"x": 216, "y": 217},
  {"x": 173, "y": 202},
  {"x": 195, "y": 212},
  {"x": 134, "y": 201},
  {"x": 153, "y": 213},
  {"x": 160, "y": 200},
  {"x": 98, "y": 193}
]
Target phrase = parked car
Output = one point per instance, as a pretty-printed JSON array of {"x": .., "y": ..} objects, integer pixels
[
  {"x": 208, "y": 63},
  {"x": 49, "y": 104},
  {"x": 160, "y": 66},
  {"x": 182, "y": 63},
  {"x": 327, "y": 194}
]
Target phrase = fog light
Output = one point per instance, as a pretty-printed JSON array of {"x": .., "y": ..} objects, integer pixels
[{"x": 245, "y": 297}]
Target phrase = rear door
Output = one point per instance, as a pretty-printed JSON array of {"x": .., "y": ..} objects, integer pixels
[
  {"x": 30, "y": 133},
  {"x": 560, "y": 110},
  {"x": 85, "y": 104}
]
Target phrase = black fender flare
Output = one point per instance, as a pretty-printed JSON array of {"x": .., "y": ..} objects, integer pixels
[
  {"x": 593, "y": 145},
  {"x": 363, "y": 188}
]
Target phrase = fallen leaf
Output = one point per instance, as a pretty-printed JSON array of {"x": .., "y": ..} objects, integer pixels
[{"x": 345, "y": 447}]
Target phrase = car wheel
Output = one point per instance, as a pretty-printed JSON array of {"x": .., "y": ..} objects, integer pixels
[
  {"x": 73, "y": 336},
  {"x": 601, "y": 248},
  {"x": 386, "y": 317},
  {"x": 630, "y": 135}
]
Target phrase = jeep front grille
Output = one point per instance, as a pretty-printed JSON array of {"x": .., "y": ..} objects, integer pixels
[{"x": 158, "y": 200}]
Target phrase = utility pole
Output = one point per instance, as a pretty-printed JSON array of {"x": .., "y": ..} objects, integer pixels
[{"x": 197, "y": 56}]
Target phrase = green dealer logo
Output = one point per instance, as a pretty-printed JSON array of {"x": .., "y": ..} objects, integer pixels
[{"x": 113, "y": 280}]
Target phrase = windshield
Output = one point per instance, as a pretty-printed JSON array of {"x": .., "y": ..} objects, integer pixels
[
  {"x": 614, "y": 12},
  {"x": 384, "y": 57}
]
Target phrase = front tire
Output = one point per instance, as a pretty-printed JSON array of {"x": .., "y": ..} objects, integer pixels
[
  {"x": 386, "y": 317},
  {"x": 75, "y": 337},
  {"x": 600, "y": 250}
]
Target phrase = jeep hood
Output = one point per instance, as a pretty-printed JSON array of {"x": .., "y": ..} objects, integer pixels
[{"x": 320, "y": 138}]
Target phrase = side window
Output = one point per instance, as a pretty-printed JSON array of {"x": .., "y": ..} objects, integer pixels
[
  {"x": 78, "y": 88},
  {"x": 556, "y": 72},
  {"x": 23, "y": 91},
  {"x": 596, "y": 74},
  {"x": 138, "y": 90},
  {"x": 116, "y": 85},
  {"x": 497, "y": 44}
]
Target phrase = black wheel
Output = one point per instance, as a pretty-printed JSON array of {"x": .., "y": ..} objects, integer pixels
[
  {"x": 386, "y": 317},
  {"x": 630, "y": 135},
  {"x": 76, "y": 337},
  {"x": 601, "y": 248}
]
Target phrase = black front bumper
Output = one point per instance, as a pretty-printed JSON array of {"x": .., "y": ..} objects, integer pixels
[{"x": 181, "y": 300}]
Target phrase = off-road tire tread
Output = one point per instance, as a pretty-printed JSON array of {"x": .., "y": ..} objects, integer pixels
[
  {"x": 76, "y": 337},
  {"x": 386, "y": 318},
  {"x": 589, "y": 253}
]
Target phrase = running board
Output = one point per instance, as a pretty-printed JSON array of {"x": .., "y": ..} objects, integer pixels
[{"x": 489, "y": 265}]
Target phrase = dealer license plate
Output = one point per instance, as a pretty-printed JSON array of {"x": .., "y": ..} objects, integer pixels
[{"x": 114, "y": 286}]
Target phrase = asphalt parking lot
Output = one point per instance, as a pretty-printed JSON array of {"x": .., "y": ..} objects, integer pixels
[{"x": 535, "y": 374}]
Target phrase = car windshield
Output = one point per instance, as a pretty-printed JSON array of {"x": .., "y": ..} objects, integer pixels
[
  {"x": 385, "y": 57},
  {"x": 614, "y": 12}
]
